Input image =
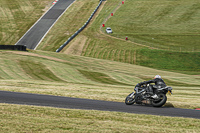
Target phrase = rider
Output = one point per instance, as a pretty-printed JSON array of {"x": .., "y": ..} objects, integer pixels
[{"x": 153, "y": 88}]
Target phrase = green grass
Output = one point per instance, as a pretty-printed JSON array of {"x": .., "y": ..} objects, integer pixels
[
  {"x": 65, "y": 75},
  {"x": 17, "y": 16},
  {"x": 177, "y": 61},
  {"x": 37, "y": 70},
  {"x": 20, "y": 118},
  {"x": 170, "y": 25},
  {"x": 74, "y": 18},
  {"x": 133, "y": 14},
  {"x": 114, "y": 47},
  {"x": 84, "y": 77},
  {"x": 100, "y": 77},
  {"x": 113, "y": 68}
]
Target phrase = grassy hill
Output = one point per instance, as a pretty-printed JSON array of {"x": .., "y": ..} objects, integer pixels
[
  {"x": 77, "y": 76},
  {"x": 17, "y": 16},
  {"x": 85, "y": 77},
  {"x": 166, "y": 51},
  {"x": 169, "y": 25},
  {"x": 108, "y": 67}
]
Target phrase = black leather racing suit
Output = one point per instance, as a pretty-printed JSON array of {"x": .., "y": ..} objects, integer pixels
[{"x": 159, "y": 83}]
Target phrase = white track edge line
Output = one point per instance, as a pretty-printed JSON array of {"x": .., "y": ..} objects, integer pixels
[
  {"x": 35, "y": 23},
  {"x": 53, "y": 25}
]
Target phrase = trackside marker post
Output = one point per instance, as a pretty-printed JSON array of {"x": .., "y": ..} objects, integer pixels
[{"x": 55, "y": 2}]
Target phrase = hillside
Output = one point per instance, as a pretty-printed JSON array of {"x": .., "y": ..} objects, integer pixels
[
  {"x": 65, "y": 75},
  {"x": 162, "y": 52},
  {"x": 17, "y": 16},
  {"x": 169, "y": 25},
  {"x": 100, "y": 66},
  {"x": 93, "y": 42},
  {"x": 165, "y": 51}
]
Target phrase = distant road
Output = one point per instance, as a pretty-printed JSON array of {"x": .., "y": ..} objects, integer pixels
[
  {"x": 37, "y": 32},
  {"x": 78, "y": 103}
]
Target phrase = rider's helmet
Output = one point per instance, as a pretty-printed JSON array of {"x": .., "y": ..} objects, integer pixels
[{"x": 157, "y": 76}]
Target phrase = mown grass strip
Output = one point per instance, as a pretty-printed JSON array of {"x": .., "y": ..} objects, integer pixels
[
  {"x": 179, "y": 61},
  {"x": 21, "y": 118},
  {"x": 101, "y": 77},
  {"x": 166, "y": 25},
  {"x": 37, "y": 71},
  {"x": 175, "y": 61},
  {"x": 17, "y": 16},
  {"x": 65, "y": 75}
]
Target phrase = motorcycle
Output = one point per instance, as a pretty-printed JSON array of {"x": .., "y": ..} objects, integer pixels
[{"x": 142, "y": 96}]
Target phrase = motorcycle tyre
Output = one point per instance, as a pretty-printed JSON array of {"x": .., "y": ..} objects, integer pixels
[
  {"x": 162, "y": 102},
  {"x": 130, "y": 102}
]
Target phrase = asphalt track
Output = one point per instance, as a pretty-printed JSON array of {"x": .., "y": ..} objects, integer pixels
[
  {"x": 36, "y": 33},
  {"x": 87, "y": 104}
]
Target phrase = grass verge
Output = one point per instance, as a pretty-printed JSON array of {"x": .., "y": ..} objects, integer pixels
[
  {"x": 21, "y": 118},
  {"x": 17, "y": 16}
]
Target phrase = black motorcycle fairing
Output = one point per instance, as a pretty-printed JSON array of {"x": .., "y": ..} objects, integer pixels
[
  {"x": 143, "y": 96},
  {"x": 138, "y": 98}
]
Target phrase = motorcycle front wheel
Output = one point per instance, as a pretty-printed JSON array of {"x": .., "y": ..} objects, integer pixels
[
  {"x": 162, "y": 98},
  {"x": 130, "y": 99}
]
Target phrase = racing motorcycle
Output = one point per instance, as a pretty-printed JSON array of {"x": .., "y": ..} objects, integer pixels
[{"x": 142, "y": 96}]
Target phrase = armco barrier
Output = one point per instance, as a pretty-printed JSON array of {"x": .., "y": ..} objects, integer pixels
[
  {"x": 77, "y": 32},
  {"x": 13, "y": 47}
]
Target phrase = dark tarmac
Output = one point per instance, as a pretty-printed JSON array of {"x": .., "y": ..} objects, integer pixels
[
  {"x": 88, "y": 104},
  {"x": 36, "y": 33}
]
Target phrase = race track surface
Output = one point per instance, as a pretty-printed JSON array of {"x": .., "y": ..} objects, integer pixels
[
  {"x": 87, "y": 104},
  {"x": 37, "y": 32}
]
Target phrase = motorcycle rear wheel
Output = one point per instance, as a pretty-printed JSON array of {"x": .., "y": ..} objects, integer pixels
[
  {"x": 160, "y": 101},
  {"x": 130, "y": 99}
]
